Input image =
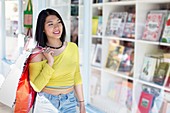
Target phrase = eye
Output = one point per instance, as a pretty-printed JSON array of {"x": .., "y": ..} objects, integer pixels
[
  {"x": 50, "y": 24},
  {"x": 59, "y": 23}
]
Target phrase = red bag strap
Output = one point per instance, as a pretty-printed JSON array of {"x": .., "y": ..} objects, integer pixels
[{"x": 33, "y": 54}]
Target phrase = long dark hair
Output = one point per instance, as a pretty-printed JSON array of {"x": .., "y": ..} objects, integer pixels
[{"x": 40, "y": 36}]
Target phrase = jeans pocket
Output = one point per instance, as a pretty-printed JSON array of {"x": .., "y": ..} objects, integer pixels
[{"x": 71, "y": 97}]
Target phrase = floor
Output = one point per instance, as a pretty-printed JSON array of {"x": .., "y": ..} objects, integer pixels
[{"x": 5, "y": 109}]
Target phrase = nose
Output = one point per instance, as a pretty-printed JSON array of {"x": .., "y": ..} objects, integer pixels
[{"x": 57, "y": 25}]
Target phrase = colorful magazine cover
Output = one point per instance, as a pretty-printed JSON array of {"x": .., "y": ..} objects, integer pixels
[
  {"x": 129, "y": 30},
  {"x": 116, "y": 23},
  {"x": 148, "y": 68},
  {"x": 126, "y": 63},
  {"x": 145, "y": 102},
  {"x": 166, "y": 32},
  {"x": 161, "y": 73},
  {"x": 114, "y": 56},
  {"x": 153, "y": 26}
]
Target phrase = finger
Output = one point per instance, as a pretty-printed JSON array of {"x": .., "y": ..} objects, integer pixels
[
  {"x": 47, "y": 50},
  {"x": 51, "y": 52}
]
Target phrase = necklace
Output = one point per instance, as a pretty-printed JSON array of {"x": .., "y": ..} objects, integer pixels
[{"x": 55, "y": 47}]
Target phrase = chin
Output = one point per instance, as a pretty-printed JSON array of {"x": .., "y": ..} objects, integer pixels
[{"x": 57, "y": 36}]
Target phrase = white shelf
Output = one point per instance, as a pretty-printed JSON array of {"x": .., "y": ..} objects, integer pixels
[
  {"x": 118, "y": 38},
  {"x": 152, "y": 85},
  {"x": 148, "y": 42},
  {"x": 96, "y": 36},
  {"x": 120, "y": 3},
  {"x": 153, "y": 1},
  {"x": 96, "y": 68},
  {"x": 164, "y": 44},
  {"x": 118, "y": 74},
  {"x": 97, "y": 5},
  {"x": 141, "y": 47}
]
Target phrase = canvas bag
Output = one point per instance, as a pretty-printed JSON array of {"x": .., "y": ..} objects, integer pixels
[
  {"x": 25, "y": 94},
  {"x": 28, "y": 15}
]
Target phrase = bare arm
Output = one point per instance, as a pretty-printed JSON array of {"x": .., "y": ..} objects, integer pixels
[{"x": 80, "y": 96}]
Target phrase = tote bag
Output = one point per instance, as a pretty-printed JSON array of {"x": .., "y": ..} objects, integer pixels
[
  {"x": 28, "y": 15},
  {"x": 25, "y": 94}
]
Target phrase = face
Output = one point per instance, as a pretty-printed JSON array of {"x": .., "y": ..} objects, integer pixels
[{"x": 53, "y": 27}]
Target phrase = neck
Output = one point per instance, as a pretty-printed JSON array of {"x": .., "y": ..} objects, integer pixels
[{"x": 53, "y": 47}]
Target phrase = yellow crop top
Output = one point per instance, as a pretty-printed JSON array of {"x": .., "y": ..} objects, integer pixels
[{"x": 64, "y": 72}]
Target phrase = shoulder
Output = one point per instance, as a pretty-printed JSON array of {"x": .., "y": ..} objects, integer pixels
[
  {"x": 39, "y": 57},
  {"x": 72, "y": 44}
]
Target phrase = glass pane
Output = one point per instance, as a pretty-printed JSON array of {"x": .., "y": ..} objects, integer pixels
[{"x": 11, "y": 18}]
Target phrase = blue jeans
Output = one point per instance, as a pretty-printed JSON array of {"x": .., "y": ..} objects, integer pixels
[{"x": 63, "y": 103}]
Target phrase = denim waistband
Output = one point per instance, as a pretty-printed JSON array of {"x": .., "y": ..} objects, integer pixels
[
  {"x": 62, "y": 100},
  {"x": 61, "y": 97}
]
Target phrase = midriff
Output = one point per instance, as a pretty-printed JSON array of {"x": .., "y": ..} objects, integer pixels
[{"x": 57, "y": 91}]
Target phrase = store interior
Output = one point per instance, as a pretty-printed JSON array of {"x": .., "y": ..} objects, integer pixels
[{"x": 124, "y": 51}]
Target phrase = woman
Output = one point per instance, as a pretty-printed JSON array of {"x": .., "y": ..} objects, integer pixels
[{"x": 55, "y": 73}]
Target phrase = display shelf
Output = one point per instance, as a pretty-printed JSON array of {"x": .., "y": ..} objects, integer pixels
[
  {"x": 153, "y": 1},
  {"x": 118, "y": 74},
  {"x": 97, "y": 68},
  {"x": 97, "y": 5},
  {"x": 141, "y": 49},
  {"x": 118, "y": 38},
  {"x": 96, "y": 36},
  {"x": 120, "y": 3},
  {"x": 152, "y": 84}
]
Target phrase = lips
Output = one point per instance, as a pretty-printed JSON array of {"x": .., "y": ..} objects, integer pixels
[{"x": 56, "y": 32}]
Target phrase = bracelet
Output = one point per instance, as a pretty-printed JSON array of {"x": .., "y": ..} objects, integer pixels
[{"x": 81, "y": 101}]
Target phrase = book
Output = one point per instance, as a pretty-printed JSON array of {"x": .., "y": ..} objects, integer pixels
[
  {"x": 116, "y": 23},
  {"x": 125, "y": 98},
  {"x": 153, "y": 26},
  {"x": 157, "y": 101},
  {"x": 167, "y": 84},
  {"x": 74, "y": 10},
  {"x": 126, "y": 63},
  {"x": 166, "y": 31},
  {"x": 93, "y": 47},
  {"x": 97, "y": 56},
  {"x": 145, "y": 102},
  {"x": 148, "y": 68},
  {"x": 114, "y": 56},
  {"x": 167, "y": 95},
  {"x": 74, "y": 30},
  {"x": 114, "y": 89},
  {"x": 95, "y": 81},
  {"x": 151, "y": 90},
  {"x": 94, "y": 25},
  {"x": 129, "y": 30},
  {"x": 74, "y": 1},
  {"x": 99, "y": 28},
  {"x": 160, "y": 73}
]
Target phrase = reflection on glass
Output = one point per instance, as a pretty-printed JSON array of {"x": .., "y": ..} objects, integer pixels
[{"x": 11, "y": 21}]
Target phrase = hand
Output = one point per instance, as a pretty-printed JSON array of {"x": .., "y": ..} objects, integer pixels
[
  {"x": 82, "y": 107},
  {"x": 48, "y": 53}
]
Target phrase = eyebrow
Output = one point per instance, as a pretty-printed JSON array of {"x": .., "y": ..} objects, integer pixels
[{"x": 52, "y": 21}]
